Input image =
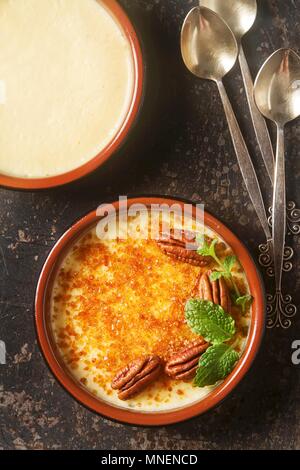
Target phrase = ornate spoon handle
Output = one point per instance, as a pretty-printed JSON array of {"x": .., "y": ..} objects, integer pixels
[
  {"x": 245, "y": 162},
  {"x": 279, "y": 209},
  {"x": 259, "y": 123}
]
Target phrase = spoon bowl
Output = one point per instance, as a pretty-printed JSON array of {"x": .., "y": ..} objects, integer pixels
[
  {"x": 209, "y": 49},
  {"x": 277, "y": 87},
  {"x": 238, "y": 14}
]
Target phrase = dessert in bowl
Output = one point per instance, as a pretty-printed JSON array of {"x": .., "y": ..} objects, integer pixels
[
  {"x": 71, "y": 77},
  {"x": 142, "y": 329}
]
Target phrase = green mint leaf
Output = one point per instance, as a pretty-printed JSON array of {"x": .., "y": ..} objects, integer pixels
[
  {"x": 212, "y": 248},
  {"x": 215, "y": 364},
  {"x": 215, "y": 275},
  {"x": 244, "y": 301},
  {"x": 205, "y": 249},
  {"x": 218, "y": 274},
  {"x": 229, "y": 262},
  {"x": 209, "y": 320}
]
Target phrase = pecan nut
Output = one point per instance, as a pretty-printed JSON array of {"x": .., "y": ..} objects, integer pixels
[
  {"x": 215, "y": 291},
  {"x": 181, "y": 244},
  {"x": 136, "y": 376},
  {"x": 183, "y": 364}
]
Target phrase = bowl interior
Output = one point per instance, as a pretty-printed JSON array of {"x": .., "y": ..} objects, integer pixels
[
  {"x": 121, "y": 133},
  {"x": 57, "y": 366}
]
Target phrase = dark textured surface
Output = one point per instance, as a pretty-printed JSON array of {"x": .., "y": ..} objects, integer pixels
[{"x": 181, "y": 147}]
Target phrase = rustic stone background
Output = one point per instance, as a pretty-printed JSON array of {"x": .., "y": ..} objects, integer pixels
[{"x": 180, "y": 147}]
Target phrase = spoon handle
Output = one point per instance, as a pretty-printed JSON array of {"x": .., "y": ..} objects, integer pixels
[
  {"x": 279, "y": 209},
  {"x": 245, "y": 162},
  {"x": 259, "y": 123}
]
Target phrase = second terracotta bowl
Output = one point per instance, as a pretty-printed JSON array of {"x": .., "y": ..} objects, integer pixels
[
  {"x": 119, "y": 138},
  {"x": 58, "y": 368}
]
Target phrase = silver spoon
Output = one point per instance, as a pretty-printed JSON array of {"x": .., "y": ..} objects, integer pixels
[
  {"x": 209, "y": 50},
  {"x": 240, "y": 16},
  {"x": 277, "y": 95}
]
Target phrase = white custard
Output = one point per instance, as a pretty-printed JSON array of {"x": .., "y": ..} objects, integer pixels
[
  {"x": 116, "y": 300},
  {"x": 67, "y": 79}
]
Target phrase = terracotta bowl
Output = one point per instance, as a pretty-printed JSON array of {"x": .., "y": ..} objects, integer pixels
[
  {"x": 118, "y": 139},
  {"x": 49, "y": 349}
]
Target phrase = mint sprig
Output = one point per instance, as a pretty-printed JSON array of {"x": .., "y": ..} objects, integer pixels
[
  {"x": 244, "y": 301},
  {"x": 215, "y": 364},
  {"x": 216, "y": 326},
  {"x": 209, "y": 320},
  {"x": 229, "y": 263},
  {"x": 206, "y": 249},
  {"x": 215, "y": 275},
  {"x": 227, "y": 267}
]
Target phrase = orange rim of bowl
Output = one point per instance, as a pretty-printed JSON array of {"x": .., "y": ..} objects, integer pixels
[
  {"x": 118, "y": 139},
  {"x": 135, "y": 417}
]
